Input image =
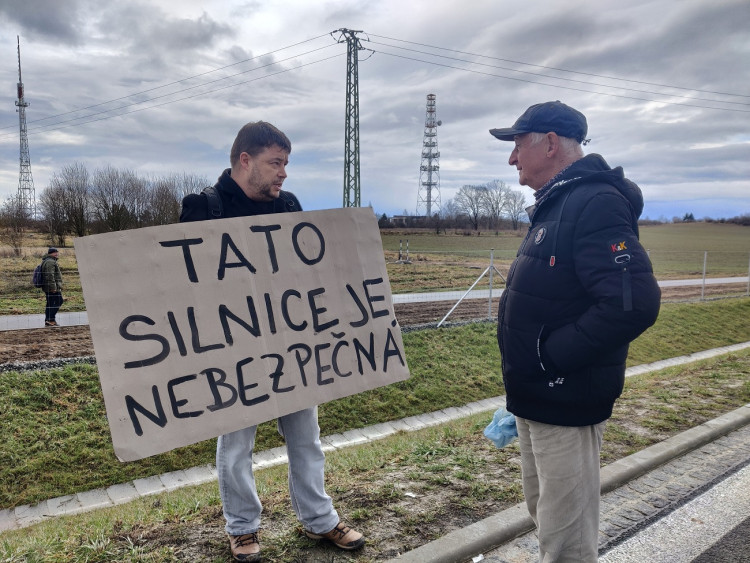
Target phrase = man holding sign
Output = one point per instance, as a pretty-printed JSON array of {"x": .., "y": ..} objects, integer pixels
[{"x": 252, "y": 186}]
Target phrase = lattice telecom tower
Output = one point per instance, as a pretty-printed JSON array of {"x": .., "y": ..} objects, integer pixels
[
  {"x": 351, "y": 132},
  {"x": 26, "y": 196},
  {"x": 428, "y": 195}
]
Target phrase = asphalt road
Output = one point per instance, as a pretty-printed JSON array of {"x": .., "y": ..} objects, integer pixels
[{"x": 711, "y": 528}]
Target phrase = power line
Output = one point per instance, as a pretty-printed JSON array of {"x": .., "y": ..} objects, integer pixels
[
  {"x": 563, "y": 87},
  {"x": 85, "y": 119},
  {"x": 561, "y": 78},
  {"x": 180, "y": 81},
  {"x": 562, "y": 69},
  {"x": 52, "y": 128}
]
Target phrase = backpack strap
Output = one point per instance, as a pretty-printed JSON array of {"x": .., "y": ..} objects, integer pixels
[
  {"x": 214, "y": 202},
  {"x": 287, "y": 201}
]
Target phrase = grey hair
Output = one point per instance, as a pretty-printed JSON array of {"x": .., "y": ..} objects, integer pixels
[{"x": 570, "y": 148}]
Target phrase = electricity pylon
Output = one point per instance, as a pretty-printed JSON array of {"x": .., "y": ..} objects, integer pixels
[
  {"x": 428, "y": 194},
  {"x": 351, "y": 128}
]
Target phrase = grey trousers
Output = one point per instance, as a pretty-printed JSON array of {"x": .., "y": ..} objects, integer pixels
[{"x": 560, "y": 472}]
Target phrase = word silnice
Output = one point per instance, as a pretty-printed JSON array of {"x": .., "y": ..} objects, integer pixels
[{"x": 306, "y": 330}]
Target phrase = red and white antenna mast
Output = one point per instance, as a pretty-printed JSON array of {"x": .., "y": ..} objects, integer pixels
[{"x": 26, "y": 196}]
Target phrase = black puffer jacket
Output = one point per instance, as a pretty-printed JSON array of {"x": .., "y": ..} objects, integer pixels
[
  {"x": 580, "y": 290},
  {"x": 234, "y": 202}
]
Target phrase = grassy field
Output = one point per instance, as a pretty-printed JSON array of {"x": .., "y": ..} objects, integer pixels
[
  {"x": 401, "y": 491},
  {"x": 450, "y": 261},
  {"x": 56, "y": 439}
]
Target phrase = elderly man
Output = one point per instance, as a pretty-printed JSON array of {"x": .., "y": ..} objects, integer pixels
[{"x": 580, "y": 290}]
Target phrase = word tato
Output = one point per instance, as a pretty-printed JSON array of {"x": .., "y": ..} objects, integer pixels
[{"x": 240, "y": 260}]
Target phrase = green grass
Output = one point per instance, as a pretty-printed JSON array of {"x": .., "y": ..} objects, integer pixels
[
  {"x": 401, "y": 491},
  {"x": 56, "y": 441}
]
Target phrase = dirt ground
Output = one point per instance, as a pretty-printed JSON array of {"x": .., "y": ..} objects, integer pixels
[{"x": 75, "y": 341}]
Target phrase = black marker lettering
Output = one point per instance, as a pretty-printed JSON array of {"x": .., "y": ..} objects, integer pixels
[
  {"x": 298, "y": 250},
  {"x": 269, "y": 241},
  {"x": 252, "y": 327},
  {"x": 214, "y": 384},
  {"x": 391, "y": 351},
  {"x": 185, "y": 244},
  {"x": 372, "y": 299},
  {"x": 177, "y": 403},
  {"x": 369, "y": 356},
  {"x": 138, "y": 337},
  {"x": 301, "y": 363},
  {"x": 227, "y": 242},
  {"x": 197, "y": 347},
  {"x": 285, "y": 310},
  {"x": 360, "y": 306},
  {"x": 317, "y": 311},
  {"x": 243, "y": 388},
  {"x": 160, "y": 418}
]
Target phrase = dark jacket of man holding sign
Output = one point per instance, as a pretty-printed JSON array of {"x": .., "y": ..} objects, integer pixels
[{"x": 252, "y": 186}]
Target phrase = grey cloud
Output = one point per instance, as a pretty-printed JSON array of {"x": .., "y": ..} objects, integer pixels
[{"x": 51, "y": 21}]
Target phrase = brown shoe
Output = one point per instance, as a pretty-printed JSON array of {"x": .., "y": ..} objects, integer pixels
[
  {"x": 341, "y": 536},
  {"x": 245, "y": 547},
  {"x": 50, "y": 323}
]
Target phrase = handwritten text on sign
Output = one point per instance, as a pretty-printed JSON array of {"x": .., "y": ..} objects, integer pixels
[{"x": 204, "y": 328}]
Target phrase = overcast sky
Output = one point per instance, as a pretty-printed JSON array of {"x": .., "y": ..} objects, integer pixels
[{"x": 663, "y": 83}]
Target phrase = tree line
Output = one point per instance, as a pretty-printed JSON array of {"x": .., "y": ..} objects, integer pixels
[
  {"x": 492, "y": 205},
  {"x": 78, "y": 202}
]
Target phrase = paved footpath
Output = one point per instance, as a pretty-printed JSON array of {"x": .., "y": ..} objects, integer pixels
[{"x": 638, "y": 494}]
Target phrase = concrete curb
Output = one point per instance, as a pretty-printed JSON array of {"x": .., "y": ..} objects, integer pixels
[{"x": 496, "y": 530}]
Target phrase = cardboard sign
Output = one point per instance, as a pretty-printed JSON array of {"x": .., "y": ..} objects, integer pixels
[{"x": 204, "y": 328}]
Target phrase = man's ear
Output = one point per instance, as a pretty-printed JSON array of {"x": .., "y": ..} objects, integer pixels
[
  {"x": 245, "y": 160},
  {"x": 553, "y": 144}
]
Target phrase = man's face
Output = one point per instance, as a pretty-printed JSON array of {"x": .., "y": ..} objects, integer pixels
[
  {"x": 531, "y": 161},
  {"x": 267, "y": 173}
]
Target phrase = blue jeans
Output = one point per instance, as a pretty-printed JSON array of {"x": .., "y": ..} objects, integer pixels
[
  {"x": 234, "y": 464},
  {"x": 560, "y": 474}
]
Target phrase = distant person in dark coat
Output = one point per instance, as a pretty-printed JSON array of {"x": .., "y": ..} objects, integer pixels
[
  {"x": 580, "y": 290},
  {"x": 52, "y": 286}
]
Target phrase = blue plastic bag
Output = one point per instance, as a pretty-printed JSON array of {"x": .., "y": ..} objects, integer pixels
[{"x": 502, "y": 430}]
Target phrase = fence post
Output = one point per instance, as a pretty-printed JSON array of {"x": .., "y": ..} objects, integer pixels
[
  {"x": 703, "y": 285},
  {"x": 492, "y": 267}
]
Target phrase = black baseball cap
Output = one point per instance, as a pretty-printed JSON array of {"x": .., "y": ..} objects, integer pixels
[{"x": 543, "y": 118}]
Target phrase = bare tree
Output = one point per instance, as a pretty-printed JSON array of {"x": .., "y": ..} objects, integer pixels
[
  {"x": 515, "y": 207},
  {"x": 468, "y": 201},
  {"x": 494, "y": 201},
  {"x": 190, "y": 184},
  {"x": 14, "y": 219},
  {"x": 73, "y": 186},
  {"x": 111, "y": 200},
  {"x": 165, "y": 198},
  {"x": 54, "y": 214}
]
